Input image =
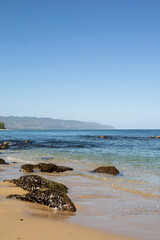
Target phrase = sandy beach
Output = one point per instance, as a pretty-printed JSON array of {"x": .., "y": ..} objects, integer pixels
[
  {"x": 23, "y": 220},
  {"x": 108, "y": 207}
]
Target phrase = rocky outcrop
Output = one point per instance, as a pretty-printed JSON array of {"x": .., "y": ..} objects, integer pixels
[
  {"x": 51, "y": 198},
  {"x": 156, "y": 137},
  {"x": 107, "y": 169},
  {"x": 2, "y": 161},
  {"x": 34, "y": 182},
  {"x": 45, "y": 167},
  {"x": 43, "y": 191}
]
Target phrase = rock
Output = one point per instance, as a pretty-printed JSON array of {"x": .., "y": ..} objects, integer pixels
[
  {"x": 156, "y": 137},
  {"x": 107, "y": 169},
  {"x": 51, "y": 198},
  {"x": 104, "y": 137},
  {"x": 27, "y": 168},
  {"x": 63, "y": 169},
  {"x": 33, "y": 182},
  {"x": 100, "y": 136},
  {"x": 45, "y": 167},
  {"x": 50, "y": 167},
  {"x": 2, "y": 161},
  {"x": 4, "y": 145}
]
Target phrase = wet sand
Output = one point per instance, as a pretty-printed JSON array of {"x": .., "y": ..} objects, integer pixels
[{"x": 23, "y": 220}]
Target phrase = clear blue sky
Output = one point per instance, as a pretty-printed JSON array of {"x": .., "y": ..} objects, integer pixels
[{"x": 89, "y": 60}]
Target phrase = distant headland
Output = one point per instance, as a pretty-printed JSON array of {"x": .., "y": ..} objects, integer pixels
[{"x": 19, "y": 123}]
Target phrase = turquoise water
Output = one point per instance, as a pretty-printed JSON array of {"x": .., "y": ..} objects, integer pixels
[{"x": 133, "y": 196}]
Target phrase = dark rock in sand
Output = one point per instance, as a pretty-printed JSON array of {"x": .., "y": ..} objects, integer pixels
[
  {"x": 2, "y": 161},
  {"x": 107, "y": 169},
  {"x": 33, "y": 182},
  {"x": 27, "y": 168},
  {"x": 51, "y": 198}
]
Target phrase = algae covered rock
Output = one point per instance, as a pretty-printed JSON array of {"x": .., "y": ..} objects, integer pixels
[
  {"x": 51, "y": 198},
  {"x": 43, "y": 191},
  {"x": 107, "y": 169},
  {"x": 33, "y": 182}
]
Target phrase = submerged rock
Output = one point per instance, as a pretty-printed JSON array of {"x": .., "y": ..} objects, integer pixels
[
  {"x": 104, "y": 137},
  {"x": 107, "y": 169},
  {"x": 33, "y": 182},
  {"x": 27, "y": 168},
  {"x": 2, "y": 161},
  {"x": 50, "y": 167},
  {"x": 51, "y": 198},
  {"x": 4, "y": 145},
  {"x": 156, "y": 137},
  {"x": 45, "y": 167}
]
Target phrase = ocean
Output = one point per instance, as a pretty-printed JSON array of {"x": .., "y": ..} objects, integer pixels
[{"x": 128, "y": 202}]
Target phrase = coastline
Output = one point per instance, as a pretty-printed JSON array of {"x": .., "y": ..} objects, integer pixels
[
  {"x": 125, "y": 205},
  {"x": 23, "y": 220}
]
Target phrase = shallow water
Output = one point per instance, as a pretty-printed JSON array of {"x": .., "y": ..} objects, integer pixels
[{"x": 132, "y": 197}]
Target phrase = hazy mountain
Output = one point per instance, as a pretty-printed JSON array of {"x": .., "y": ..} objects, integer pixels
[{"x": 49, "y": 123}]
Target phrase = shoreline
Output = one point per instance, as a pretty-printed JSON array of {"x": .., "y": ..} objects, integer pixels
[
  {"x": 110, "y": 227},
  {"x": 24, "y": 220},
  {"x": 125, "y": 205}
]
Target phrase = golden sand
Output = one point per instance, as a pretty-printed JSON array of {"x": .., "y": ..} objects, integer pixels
[{"x": 30, "y": 221}]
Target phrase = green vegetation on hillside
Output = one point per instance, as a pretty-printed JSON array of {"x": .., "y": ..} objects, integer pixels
[
  {"x": 49, "y": 124},
  {"x": 2, "y": 125}
]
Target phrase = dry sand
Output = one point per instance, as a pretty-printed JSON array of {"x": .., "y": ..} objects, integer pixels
[{"x": 29, "y": 221}]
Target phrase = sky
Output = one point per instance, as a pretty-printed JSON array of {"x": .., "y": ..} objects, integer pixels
[{"x": 88, "y": 60}]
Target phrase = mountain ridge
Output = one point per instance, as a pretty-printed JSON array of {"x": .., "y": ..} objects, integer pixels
[{"x": 19, "y": 123}]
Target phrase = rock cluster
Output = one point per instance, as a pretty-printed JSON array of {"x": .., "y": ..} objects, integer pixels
[
  {"x": 45, "y": 167},
  {"x": 43, "y": 191}
]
